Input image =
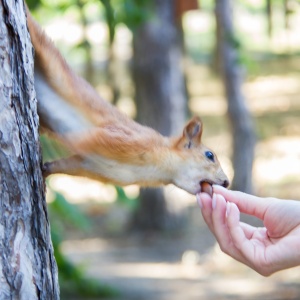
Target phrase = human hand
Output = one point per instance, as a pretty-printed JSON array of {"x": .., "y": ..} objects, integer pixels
[{"x": 266, "y": 250}]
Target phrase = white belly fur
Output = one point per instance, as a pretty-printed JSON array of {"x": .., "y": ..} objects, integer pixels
[{"x": 121, "y": 172}]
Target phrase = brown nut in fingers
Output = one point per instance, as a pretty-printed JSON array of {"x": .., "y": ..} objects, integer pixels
[{"x": 206, "y": 188}]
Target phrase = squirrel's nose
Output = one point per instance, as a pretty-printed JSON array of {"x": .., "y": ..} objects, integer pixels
[{"x": 225, "y": 183}]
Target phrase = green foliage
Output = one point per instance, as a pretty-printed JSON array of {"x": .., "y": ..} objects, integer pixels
[
  {"x": 253, "y": 6},
  {"x": 33, "y": 4},
  {"x": 110, "y": 19},
  {"x": 67, "y": 212},
  {"x": 132, "y": 13},
  {"x": 207, "y": 5},
  {"x": 60, "y": 5},
  {"x": 73, "y": 280},
  {"x": 243, "y": 57},
  {"x": 123, "y": 199}
]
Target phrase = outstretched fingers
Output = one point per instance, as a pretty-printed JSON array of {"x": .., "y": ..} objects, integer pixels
[
  {"x": 221, "y": 211},
  {"x": 249, "y": 241},
  {"x": 205, "y": 203},
  {"x": 246, "y": 203},
  {"x": 236, "y": 230},
  {"x": 215, "y": 212}
]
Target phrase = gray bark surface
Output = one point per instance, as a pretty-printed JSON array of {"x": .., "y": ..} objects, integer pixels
[{"x": 27, "y": 266}]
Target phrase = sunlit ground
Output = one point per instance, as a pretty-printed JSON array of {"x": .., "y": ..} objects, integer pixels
[{"x": 192, "y": 266}]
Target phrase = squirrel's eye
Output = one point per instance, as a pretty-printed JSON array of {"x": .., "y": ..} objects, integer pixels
[{"x": 210, "y": 155}]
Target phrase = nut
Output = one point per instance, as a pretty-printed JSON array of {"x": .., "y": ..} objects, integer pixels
[{"x": 206, "y": 188}]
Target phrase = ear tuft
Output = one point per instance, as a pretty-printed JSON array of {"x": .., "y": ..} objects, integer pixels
[{"x": 193, "y": 131}]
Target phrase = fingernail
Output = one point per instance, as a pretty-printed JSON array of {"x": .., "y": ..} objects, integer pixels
[
  {"x": 227, "y": 209},
  {"x": 198, "y": 197},
  {"x": 219, "y": 187},
  {"x": 214, "y": 201}
]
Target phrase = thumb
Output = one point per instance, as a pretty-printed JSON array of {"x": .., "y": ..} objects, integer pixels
[{"x": 246, "y": 203}]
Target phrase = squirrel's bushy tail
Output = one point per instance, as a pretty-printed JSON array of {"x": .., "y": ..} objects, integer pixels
[{"x": 55, "y": 71}]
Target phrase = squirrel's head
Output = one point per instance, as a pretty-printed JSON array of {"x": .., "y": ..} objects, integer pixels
[{"x": 198, "y": 164}]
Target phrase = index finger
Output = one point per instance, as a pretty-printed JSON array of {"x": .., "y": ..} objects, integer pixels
[{"x": 246, "y": 203}]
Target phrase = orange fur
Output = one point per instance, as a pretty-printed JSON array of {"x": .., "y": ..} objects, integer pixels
[{"x": 107, "y": 145}]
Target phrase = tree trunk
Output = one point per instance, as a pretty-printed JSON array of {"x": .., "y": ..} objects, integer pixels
[
  {"x": 240, "y": 119},
  {"x": 160, "y": 94},
  {"x": 27, "y": 266}
]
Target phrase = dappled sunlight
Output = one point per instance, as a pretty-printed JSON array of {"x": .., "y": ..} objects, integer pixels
[
  {"x": 78, "y": 189},
  {"x": 95, "y": 245},
  {"x": 198, "y": 21},
  {"x": 273, "y": 93},
  {"x": 177, "y": 198},
  {"x": 192, "y": 274},
  {"x": 97, "y": 33},
  {"x": 127, "y": 106},
  {"x": 65, "y": 30},
  {"x": 274, "y": 170},
  {"x": 242, "y": 286},
  {"x": 71, "y": 33},
  {"x": 200, "y": 83},
  {"x": 123, "y": 42},
  {"x": 272, "y": 85},
  {"x": 132, "y": 191},
  {"x": 127, "y": 266},
  {"x": 159, "y": 270},
  {"x": 277, "y": 159},
  {"x": 208, "y": 105},
  {"x": 82, "y": 190}
]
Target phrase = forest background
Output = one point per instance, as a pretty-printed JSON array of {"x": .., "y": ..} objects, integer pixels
[{"x": 152, "y": 244}]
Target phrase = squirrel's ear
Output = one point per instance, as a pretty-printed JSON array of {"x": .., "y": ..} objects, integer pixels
[{"x": 192, "y": 133}]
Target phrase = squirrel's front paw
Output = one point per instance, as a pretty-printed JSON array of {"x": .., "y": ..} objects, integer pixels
[{"x": 46, "y": 169}]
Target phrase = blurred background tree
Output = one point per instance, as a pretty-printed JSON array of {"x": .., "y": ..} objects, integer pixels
[
  {"x": 232, "y": 72},
  {"x": 160, "y": 98}
]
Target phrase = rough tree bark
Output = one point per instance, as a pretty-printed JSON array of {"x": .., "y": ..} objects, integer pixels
[
  {"x": 27, "y": 266},
  {"x": 239, "y": 116},
  {"x": 160, "y": 96}
]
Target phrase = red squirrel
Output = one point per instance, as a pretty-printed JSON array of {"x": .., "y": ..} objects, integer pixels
[{"x": 106, "y": 144}]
